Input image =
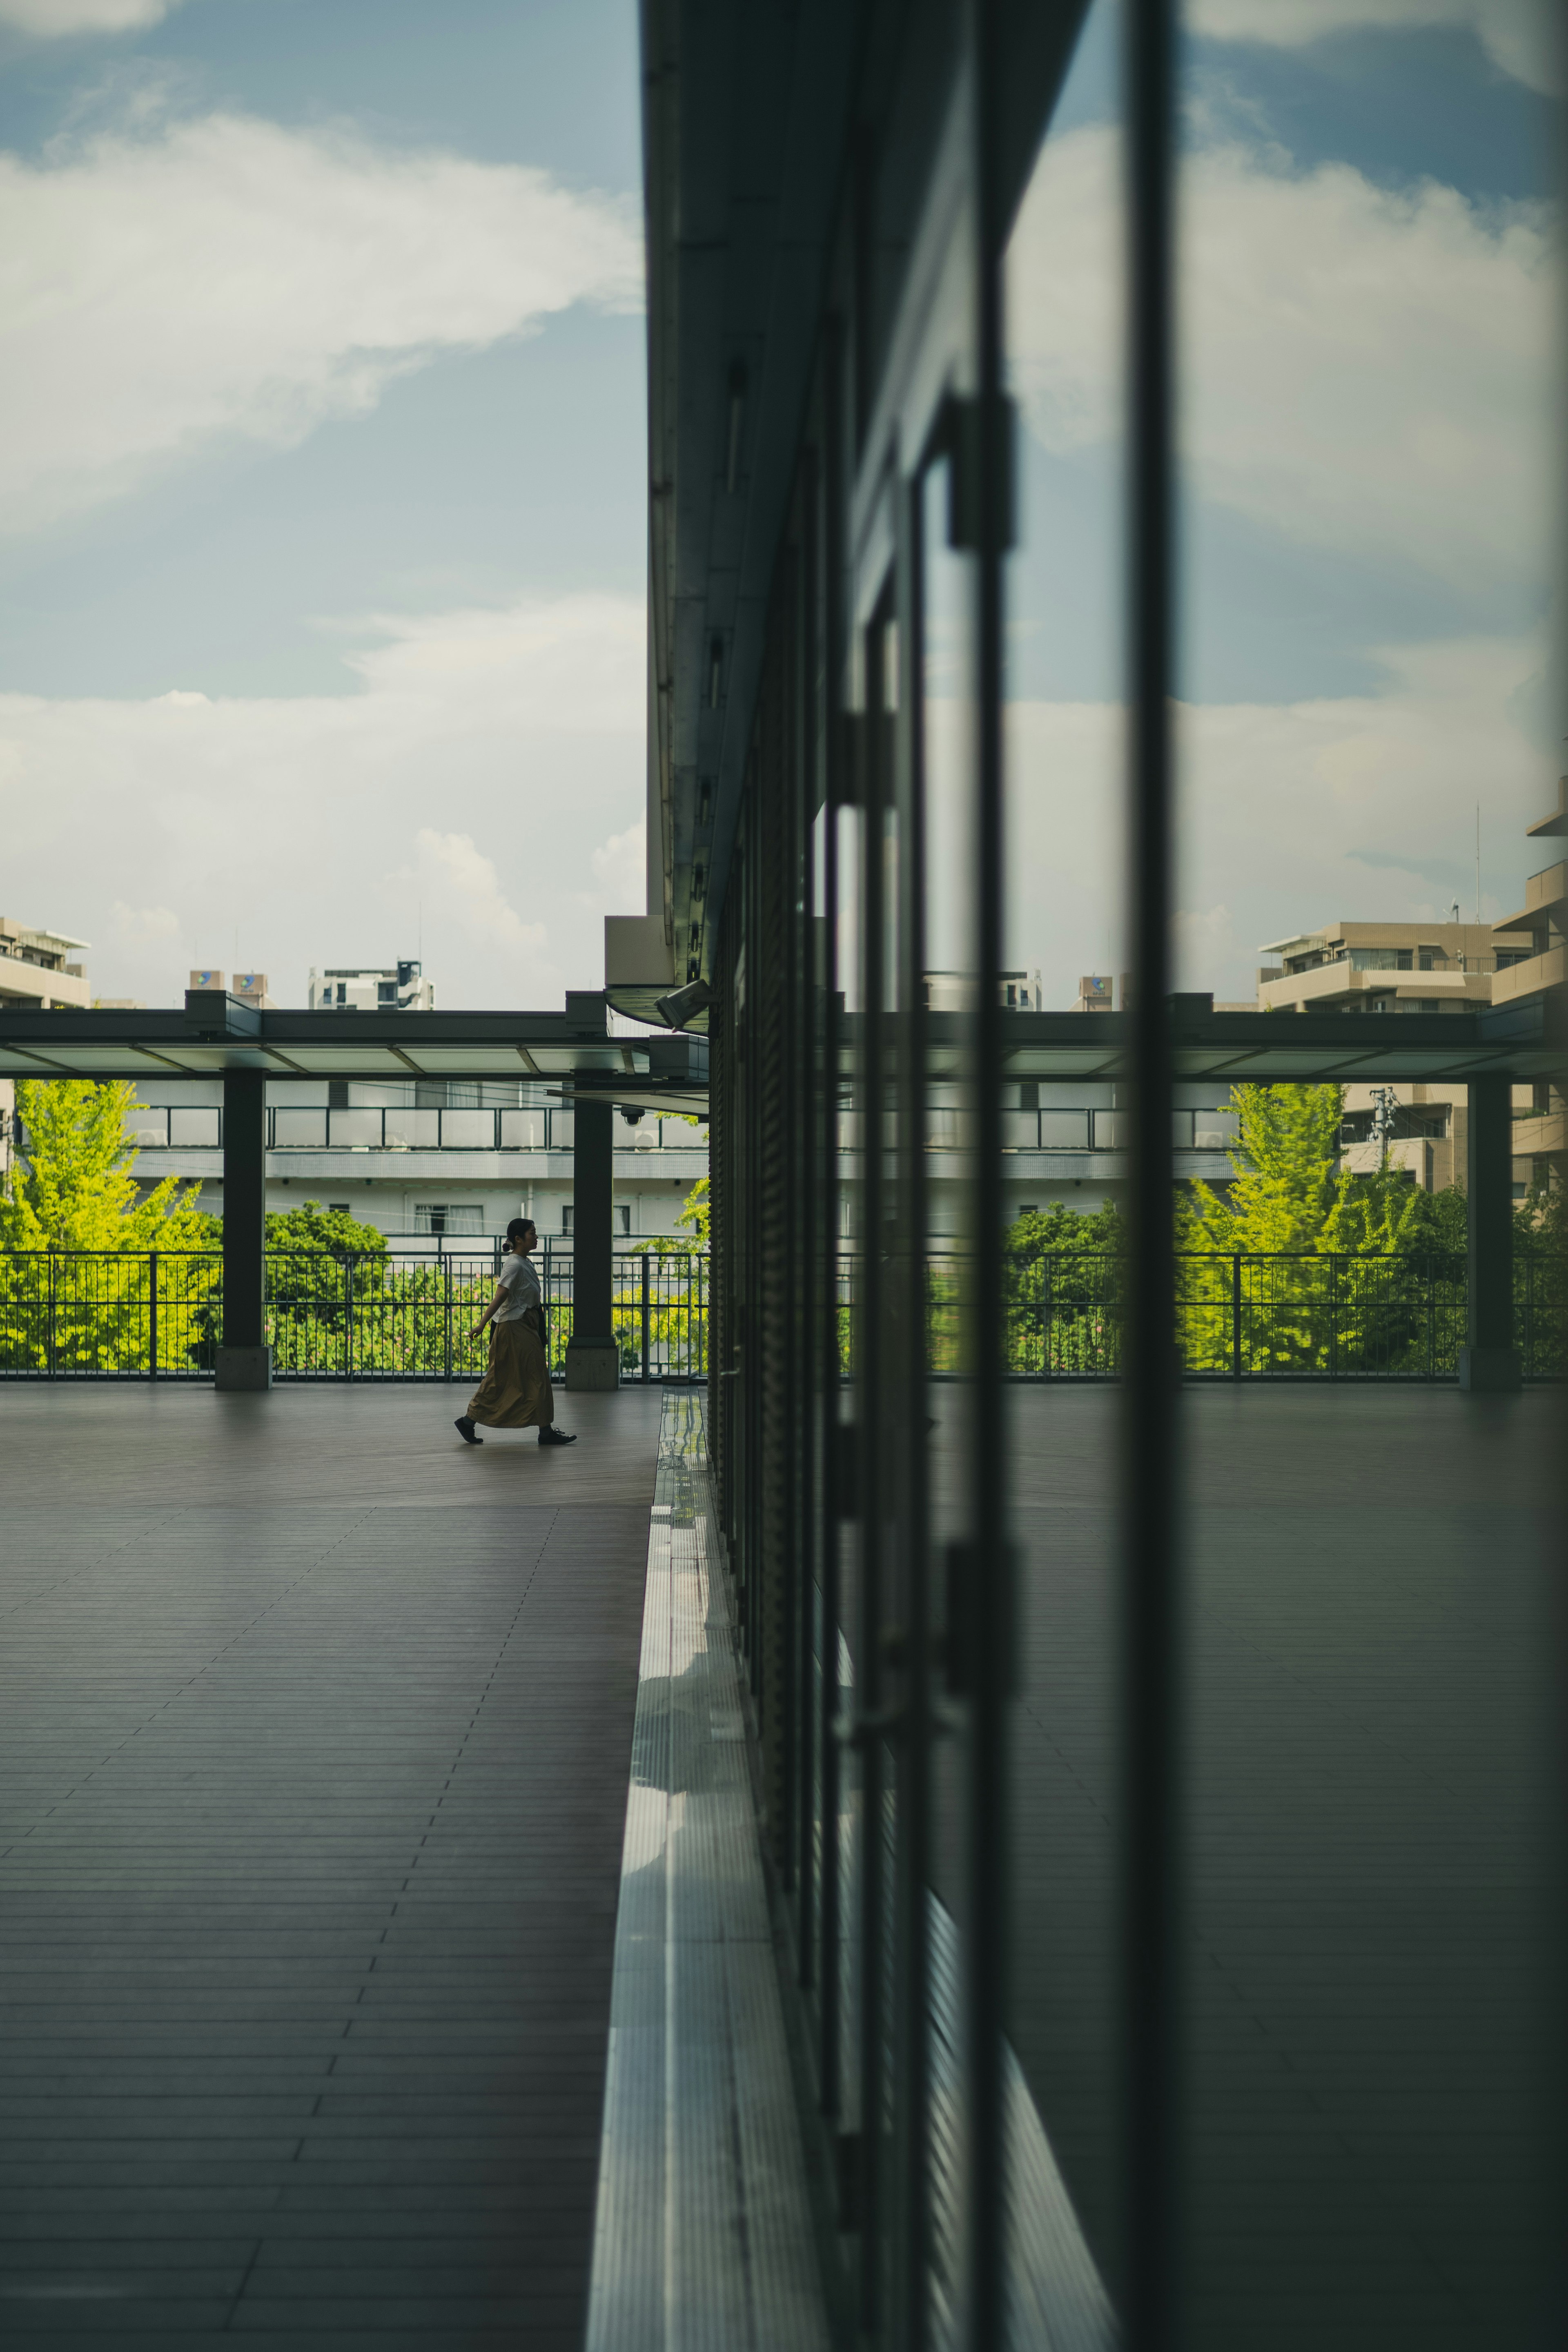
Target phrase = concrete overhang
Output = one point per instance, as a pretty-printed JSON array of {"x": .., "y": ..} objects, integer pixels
[
  {"x": 1262, "y": 1048},
  {"x": 214, "y": 1032}
]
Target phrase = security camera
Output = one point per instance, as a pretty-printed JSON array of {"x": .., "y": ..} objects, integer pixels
[{"x": 683, "y": 1004}]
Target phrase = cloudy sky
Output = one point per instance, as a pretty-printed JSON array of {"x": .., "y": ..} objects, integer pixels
[
  {"x": 1367, "y": 406},
  {"x": 321, "y": 484},
  {"x": 321, "y": 479}
]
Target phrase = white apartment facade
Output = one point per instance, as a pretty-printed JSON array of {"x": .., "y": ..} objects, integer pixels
[
  {"x": 371, "y": 988},
  {"x": 425, "y": 1160},
  {"x": 1381, "y": 970}
]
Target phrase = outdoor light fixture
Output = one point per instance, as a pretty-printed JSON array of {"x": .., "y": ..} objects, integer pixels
[{"x": 683, "y": 1004}]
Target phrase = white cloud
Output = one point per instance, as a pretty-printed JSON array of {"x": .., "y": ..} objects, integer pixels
[
  {"x": 1515, "y": 33},
  {"x": 141, "y": 926},
  {"x": 1292, "y": 814},
  {"x": 227, "y": 279},
  {"x": 460, "y": 793},
  {"x": 50, "y": 18},
  {"x": 1365, "y": 371},
  {"x": 464, "y": 881},
  {"x": 621, "y": 870}
]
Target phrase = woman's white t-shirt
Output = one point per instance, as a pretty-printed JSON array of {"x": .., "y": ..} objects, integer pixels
[{"x": 521, "y": 1285}]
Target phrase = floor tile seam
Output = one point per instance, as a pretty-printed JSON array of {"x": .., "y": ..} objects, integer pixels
[{"x": 190, "y": 1680}]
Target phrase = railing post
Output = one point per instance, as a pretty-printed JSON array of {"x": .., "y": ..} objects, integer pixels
[
  {"x": 1236, "y": 1316},
  {"x": 445, "y": 1264},
  {"x": 645, "y": 1317},
  {"x": 1431, "y": 1265},
  {"x": 51, "y": 1328},
  {"x": 153, "y": 1315},
  {"x": 349, "y": 1316}
]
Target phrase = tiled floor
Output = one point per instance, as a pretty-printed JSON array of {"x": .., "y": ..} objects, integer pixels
[{"x": 314, "y": 1733}]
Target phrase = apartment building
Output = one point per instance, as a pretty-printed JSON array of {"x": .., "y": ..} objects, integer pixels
[
  {"x": 1386, "y": 969},
  {"x": 1539, "y": 1141},
  {"x": 433, "y": 1158},
  {"x": 37, "y": 970},
  {"x": 250, "y": 987},
  {"x": 364, "y": 988},
  {"x": 1389, "y": 967}
]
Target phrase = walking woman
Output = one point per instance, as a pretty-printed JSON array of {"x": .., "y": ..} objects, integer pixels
[{"x": 516, "y": 1391}]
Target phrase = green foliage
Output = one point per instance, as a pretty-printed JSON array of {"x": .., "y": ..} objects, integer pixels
[
  {"x": 1289, "y": 1193},
  {"x": 310, "y": 1228},
  {"x": 75, "y": 1189},
  {"x": 75, "y": 1192},
  {"x": 696, "y": 1211},
  {"x": 1314, "y": 1306}
]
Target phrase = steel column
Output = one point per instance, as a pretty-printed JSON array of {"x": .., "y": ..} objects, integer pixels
[
  {"x": 1150, "y": 2292},
  {"x": 592, "y": 1358},
  {"x": 244, "y": 1359},
  {"x": 1490, "y": 1364}
]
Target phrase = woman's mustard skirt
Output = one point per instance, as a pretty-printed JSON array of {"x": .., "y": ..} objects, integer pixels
[{"x": 514, "y": 1393}]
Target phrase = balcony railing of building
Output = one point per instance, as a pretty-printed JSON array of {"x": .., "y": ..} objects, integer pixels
[
  {"x": 406, "y": 1315},
  {"x": 1074, "y": 1130},
  {"x": 200, "y": 1128}
]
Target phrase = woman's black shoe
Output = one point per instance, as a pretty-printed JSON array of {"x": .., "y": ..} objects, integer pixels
[
  {"x": 467, "y": 1430},
  {"x": 554, "y": 1436}
]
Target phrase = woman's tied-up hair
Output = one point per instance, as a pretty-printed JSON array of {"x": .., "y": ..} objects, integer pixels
[{"x": 516, "y": 1229}]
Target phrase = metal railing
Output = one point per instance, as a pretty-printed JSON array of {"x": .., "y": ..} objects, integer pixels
[
  {"x": 398, "y": 1314},
  {"x": 1069, "y": 1129},
  {"x": 1244, "y": 1316},
  {"x": 393, "y": 1128},
  {"x": 158, "y": 1315}
]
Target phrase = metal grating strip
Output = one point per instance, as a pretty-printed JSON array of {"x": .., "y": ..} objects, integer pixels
[{"x": 703, "y": 2239}]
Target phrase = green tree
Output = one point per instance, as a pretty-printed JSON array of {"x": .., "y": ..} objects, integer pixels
[
  {"x": 1309, "y": 1305},
  {"x": 76, "y": 1284},
  {"x": 75, "y": 1188},
  {"x": 1062, "y": 1283}
]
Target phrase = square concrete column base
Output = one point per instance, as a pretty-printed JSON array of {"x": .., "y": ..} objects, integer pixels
[
  {"x": 244, "y": 1368},
  {"x": 1488, "y": 1372},
  {"x": 593, "y": 1364}
]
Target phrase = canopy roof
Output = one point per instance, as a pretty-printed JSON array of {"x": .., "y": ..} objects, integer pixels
[{"x": 215, "y": 1033}]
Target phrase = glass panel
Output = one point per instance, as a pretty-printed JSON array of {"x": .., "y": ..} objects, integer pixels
[
  {"x": 469, "y": 1130},
  {"x": 295, "y": 1130},
  {"x": 416, "y": 1130},
  {"x": 198, "y": 1127},
  {"x": 1370, "y": 414},
  {"x": 525, "y": 1130},
  {"x": 943, "y": 1486},
  {"x": 1065, "y": 866},
  {"x": 351, "y": 1129}
]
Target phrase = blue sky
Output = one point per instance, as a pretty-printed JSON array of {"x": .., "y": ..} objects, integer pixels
[
  {"x": 260, "y": 519},
  {"x": 322, "y": 483},
  {"x": 1367, "y": 328}
]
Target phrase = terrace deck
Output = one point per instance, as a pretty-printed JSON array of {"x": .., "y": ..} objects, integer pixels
[{"x": 313, "y": 1766}]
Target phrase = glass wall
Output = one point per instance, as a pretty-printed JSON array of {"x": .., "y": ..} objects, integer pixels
[
  {"x": 1171, "y": 1879},
  {"x": 1065, "y": 862},
  {"x": 1367, "y": 410}
]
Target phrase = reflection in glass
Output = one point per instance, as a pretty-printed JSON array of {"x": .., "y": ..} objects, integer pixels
[
  {"x": 1366, "y": 413},
  {"x": 1065, "y": 784}
]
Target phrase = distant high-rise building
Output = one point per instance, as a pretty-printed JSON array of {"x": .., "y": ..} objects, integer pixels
[
  {"x": 1094, "y": 993},
  {"x": 371, "y": 988},
  {"x": 33, "y": 970}
]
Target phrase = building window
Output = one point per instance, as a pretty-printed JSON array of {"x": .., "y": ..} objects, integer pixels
[
  {"x": 622, "y": 1217},
  {"x": 566, "y": 1219},
  {"x": 437, "y": 1217}
]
